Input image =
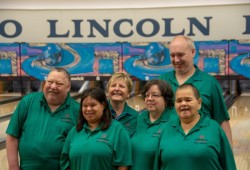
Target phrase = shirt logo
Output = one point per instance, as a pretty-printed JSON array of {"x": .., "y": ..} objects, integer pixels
[
  {"x": 66, "y": 118},
  {"x": 103, "y": 139},
  {"x": 104, "y": 135},
  {"x": 158, "y": 133},
  {"x": 127, "y": 124},
  {"x": 201, "y": 139}
]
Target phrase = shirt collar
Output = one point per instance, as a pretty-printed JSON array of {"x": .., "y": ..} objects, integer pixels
[
  {"x": 63, "y": 105},
  {"x": 197, "y": 76},
  {"x": 124, "y": 112},
  {"x": 204, "y": 121},
  {"x": 165, "y": 116},
  {"x": 86, "y": 127}
]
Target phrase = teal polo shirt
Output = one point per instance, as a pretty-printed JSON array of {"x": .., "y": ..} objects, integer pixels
[
  {"x": 205, "y": 147},
  {"x": 128, "y": 118},
  {"x": 145, "y": 140},
  {"x": 213, "y": 104},
  {"x": 97, "y": 150},
  {"x": 40, "y": 132}
]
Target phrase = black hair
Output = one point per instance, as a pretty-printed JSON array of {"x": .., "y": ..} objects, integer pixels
[{"x": 99, "y": 95}]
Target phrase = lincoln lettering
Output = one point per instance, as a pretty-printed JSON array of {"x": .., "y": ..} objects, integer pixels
[
  {"x": 123, "y": 28},
  {"x": 104, "y": 28}
]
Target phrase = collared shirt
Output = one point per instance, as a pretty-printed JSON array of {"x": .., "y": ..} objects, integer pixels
[
  {"x": 41, "y": 133},
  {"x": 145, "y": 140},
  {"x": 204, "y": 147},
  {"x": 128, "y": 118},
  {"x": 98, "y": 149},
  {"x": 213, "y": 104}
]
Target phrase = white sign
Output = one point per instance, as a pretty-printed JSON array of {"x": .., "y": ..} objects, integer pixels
[{"x": 121, "y": 25}]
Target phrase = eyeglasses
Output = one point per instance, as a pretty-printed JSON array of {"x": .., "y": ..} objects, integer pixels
[{"x": 153, "y": 96}]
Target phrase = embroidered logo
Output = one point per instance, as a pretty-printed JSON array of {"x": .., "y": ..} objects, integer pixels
[
  {"x": 103, "y": 138},
  {"x": 157, "y": 134},
  {"x": 66, "y": 118},
  {"x": 201, "y": 139},
  {"x": 104, "y": 135}
]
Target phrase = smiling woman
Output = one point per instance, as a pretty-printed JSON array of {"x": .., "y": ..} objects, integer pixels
[
  {"x": 203, "y": 141},
  {"x": 119, "y": 89},
  {"x": 97, "y": 142}
]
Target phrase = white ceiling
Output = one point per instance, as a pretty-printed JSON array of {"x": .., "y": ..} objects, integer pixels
[{"x": 110, "y": 4}]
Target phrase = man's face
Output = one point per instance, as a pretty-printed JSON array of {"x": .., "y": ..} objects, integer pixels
[
  {"x": 56, "y": 88},
  {"x": 181, "y": 55}
]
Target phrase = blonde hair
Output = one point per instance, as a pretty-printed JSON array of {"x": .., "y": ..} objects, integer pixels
[{"x": 122, "y": 76}]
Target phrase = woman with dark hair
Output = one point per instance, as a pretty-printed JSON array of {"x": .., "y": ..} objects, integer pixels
[
  {"x": 97, "y": 141},
  {"x": 193, "y": 141},
  {"x": 158, "y": 97}
]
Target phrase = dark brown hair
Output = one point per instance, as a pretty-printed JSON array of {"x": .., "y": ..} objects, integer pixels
[
  {"x": 165, "y": 89},
  {"x": 99, "y": 95},
  {"x": 194, "y": 89}
]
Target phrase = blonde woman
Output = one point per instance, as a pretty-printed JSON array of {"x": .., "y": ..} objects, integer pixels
[{"x": 119, "y": 88}]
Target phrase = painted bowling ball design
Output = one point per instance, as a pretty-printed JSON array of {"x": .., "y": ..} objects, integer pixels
[
  {"x": 154, "y": 53},
  {"x": 52, "y": 54},
  {"x": 246, "y": 61}
]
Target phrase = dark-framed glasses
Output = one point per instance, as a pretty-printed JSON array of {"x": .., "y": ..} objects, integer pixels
[{"x": 153, "y": 96}]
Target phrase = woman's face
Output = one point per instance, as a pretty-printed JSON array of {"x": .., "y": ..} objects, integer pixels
[
  {"x": 154, "y": 100},
  {"x": 186, "y": 104},
  {"x": 118, "y": 91},
  {"x": 92, "y": 110}
]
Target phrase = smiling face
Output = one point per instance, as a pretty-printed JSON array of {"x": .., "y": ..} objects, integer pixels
[
  {"x": 182, "y": 52},
  {"x": 56, "y": 88},
  {"x": 187, "y": 104},
  {"x": 92, "y": 111},
  {"x": 118, "y": 90}
]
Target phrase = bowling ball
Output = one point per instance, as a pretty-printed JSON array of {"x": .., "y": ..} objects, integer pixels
[
  {"x": 52, "y": 54},
  {"x": 154, "y": 53}
]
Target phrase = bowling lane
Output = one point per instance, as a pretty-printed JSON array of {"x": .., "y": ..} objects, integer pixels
[
  {"x": 9, "y": 97},
  {"x": 240, "y": 124},
  {"x": 6, "y": 111},
  {"x": 8, "y": 108}
]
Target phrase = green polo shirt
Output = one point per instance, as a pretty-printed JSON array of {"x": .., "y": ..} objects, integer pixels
[
  {"x": 127, "y": 118},
  {"x": 40, "y": 132},
  {"x": 205, "y": 147},
  {"x": 97, "y": 150},
  {"x": 213, "y": 104},
  {"x": 145, "y": 140}
]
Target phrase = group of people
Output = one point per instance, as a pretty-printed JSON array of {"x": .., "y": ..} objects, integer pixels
[{"x": 185, "y": 125}]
